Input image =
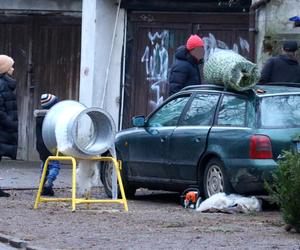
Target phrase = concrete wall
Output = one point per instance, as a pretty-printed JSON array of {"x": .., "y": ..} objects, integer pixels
[
  {"x": 41, "y": 5},
  {"x": 274, "y": 27},
  {"x": 100, "y": 69}
]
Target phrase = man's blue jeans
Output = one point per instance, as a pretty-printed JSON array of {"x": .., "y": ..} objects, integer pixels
[{"x": 52, "y": 171}]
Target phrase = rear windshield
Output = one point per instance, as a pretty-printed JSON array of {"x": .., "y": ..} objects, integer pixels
[{"x": 280, "y": 111}]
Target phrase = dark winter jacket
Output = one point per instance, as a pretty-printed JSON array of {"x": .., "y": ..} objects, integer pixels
[
  {"x": 184, "y": 71},
  {"x": 280, "y": 69},
  {"x": 44, "y": 153},
  {"x": 8, "y": 117}
]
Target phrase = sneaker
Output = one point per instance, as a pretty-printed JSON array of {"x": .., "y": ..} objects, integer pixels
[
  {"x": 4, "y": 194},
  {"x": 48, "y": 191}
]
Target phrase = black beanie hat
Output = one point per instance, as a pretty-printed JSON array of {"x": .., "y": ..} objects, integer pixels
[{"x": 290, "y": 46}]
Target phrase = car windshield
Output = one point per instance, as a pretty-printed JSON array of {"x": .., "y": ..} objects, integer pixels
[{"x": 280, "y": 111}]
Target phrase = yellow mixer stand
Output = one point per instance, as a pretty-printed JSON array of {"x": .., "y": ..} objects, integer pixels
[{"x": 74, "y": 200}]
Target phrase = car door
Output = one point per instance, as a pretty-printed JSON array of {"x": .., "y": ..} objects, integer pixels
[
  {"x": 148, "y": 146},
  {"x": 230, "y": 136},
  {"x": 188, "y": 141}
]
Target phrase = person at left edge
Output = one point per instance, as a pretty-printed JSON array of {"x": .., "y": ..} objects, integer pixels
[{"x": 8, "y": 112}]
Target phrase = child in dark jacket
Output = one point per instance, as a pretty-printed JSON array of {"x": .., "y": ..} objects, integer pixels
[{"x": 47, "y": 101}]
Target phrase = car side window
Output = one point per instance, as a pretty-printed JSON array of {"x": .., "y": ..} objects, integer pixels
[
  {"x": 168, "y": 114},
  {"x": 232, "y": 111},
  {"x": 201, "y": 111}
]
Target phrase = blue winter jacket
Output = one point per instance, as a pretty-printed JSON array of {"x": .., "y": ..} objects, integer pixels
[
  {"x": 280, "y": 69},
  {"x": 184, "y": 71}
]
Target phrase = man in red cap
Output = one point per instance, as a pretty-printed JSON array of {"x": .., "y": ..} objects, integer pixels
[{"x": 185, "y": 70}]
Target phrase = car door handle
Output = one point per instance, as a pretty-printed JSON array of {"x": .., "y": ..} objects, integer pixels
[
  {"x": 198, "y": 139},
  {"x": 163, "y": 138}
]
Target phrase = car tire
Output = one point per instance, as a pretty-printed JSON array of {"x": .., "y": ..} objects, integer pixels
[
  {"x": 106, "y": 173},
  {"x": 215, "y": 178}
]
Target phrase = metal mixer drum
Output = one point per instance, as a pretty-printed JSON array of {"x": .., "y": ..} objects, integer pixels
[
  {"x": 104, "y": 131},
  {"x": 61, "y": 129}
]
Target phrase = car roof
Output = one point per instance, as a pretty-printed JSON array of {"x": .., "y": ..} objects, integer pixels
[
  {"x": 277, "y": 88},
  {"x": 258, "y": 90}
]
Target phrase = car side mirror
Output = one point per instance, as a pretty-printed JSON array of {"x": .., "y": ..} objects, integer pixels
[{"x": 138, "y": 121}]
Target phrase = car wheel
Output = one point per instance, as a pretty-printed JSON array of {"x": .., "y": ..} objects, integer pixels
[
  {"x": 106, "y": 173},
  {"x": 215, "y": 178}
]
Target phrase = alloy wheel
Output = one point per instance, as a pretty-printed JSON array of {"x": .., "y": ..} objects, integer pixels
[{"x": 214, "y": 180}]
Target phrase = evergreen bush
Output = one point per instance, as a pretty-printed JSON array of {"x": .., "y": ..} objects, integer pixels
[{"x": 285, "y": 188}]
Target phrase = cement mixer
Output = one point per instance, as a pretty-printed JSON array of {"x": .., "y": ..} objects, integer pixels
[{"x": 73, "y": 132}]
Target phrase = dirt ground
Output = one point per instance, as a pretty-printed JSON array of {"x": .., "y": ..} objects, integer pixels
[{"x": 155, "y": 221}]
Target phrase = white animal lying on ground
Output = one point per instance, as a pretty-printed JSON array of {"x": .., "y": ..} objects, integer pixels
[{"x": 232, "y": 203}]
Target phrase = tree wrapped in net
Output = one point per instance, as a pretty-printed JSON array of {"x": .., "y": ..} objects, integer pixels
[{"x": 230, "y": 69}]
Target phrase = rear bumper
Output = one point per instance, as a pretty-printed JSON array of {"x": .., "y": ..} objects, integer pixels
[{"x": 248, "y": 176}]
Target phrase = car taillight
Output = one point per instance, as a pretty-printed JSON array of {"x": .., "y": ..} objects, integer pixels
[{"x": 260, "y": 147}]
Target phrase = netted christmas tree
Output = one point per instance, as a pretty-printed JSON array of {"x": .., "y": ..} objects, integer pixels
[{"x": 230, "y": 69}]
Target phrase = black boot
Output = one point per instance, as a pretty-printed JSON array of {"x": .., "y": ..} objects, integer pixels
[
  {"x": 48, "y": 191},
  {"x": 3, "y": 194}
]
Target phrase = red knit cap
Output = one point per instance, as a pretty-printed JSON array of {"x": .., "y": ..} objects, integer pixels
[{"x": 194, "y": 41}]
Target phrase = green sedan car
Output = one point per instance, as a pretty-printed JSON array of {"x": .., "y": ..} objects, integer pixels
[{"x": 211, "y": 138}]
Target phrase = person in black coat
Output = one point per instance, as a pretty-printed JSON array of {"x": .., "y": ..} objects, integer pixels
[
  {"x": 47, "y": 101},
  {"x": 282, "y": 68},
  {"x": 8, "y": 112},
  {"x": 185, "y": 70}
]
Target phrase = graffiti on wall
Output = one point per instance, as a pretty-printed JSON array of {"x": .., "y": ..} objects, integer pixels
[
  {"x": 212, "y": 45},
  {"x": 156, "y": 60}
]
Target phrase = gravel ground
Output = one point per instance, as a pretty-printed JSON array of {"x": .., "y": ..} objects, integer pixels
[{"x": 155, "y": 221}]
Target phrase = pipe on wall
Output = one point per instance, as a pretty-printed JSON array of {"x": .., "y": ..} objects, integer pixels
[
  {"x": 252, "y": 25},
  {"x": 110, "y": 54},
  {"x": 122, "y": 95}
]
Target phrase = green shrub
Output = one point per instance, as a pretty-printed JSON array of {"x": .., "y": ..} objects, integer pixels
[{"x": 285, "y": 188}]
